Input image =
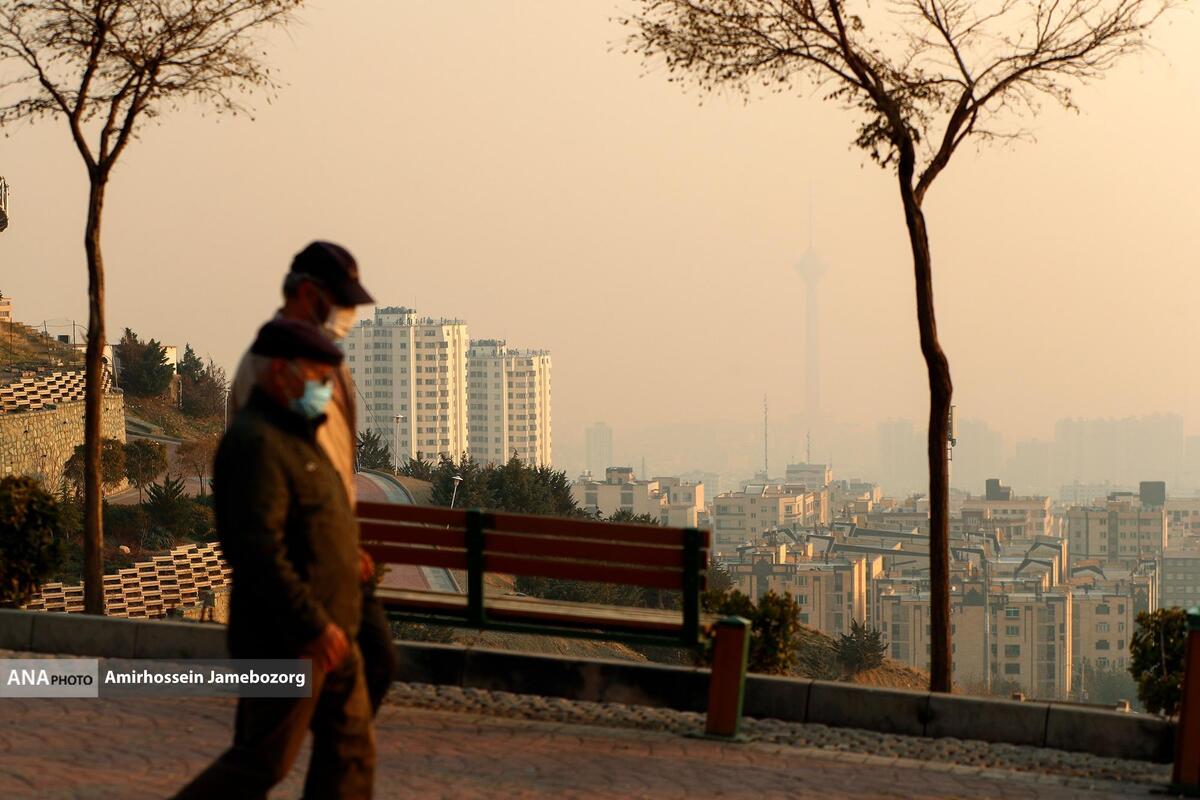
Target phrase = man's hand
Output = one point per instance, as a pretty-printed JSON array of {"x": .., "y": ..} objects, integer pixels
[
  {"x": 366, "y": 566},
  {"x": 329, "y": 649}
]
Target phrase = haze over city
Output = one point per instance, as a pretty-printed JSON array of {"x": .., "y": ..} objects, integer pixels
[{"x": 508, "y": 166}]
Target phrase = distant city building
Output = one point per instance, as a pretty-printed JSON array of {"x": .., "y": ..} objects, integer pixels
[
  {"x": 6, "y": 312},
  {"x": 508, "y": 396},
  {"x": 599, "y": 449},
  {"x": 1019, "y": 516},
  {"x": 1183, "y": 520},
  {"x": 902, "y": 462},
  {"x": 830, "y": 592},
  {"x": 741, "y": 518},
  {"x": 1181, "y": 577},
  {"x": 814, "y": 476},
  {"x": 670, "y": 501},
  {"x": 1022, "y": 638},
  {"x": 1120, "y": 532},
  {"x": 3, "y": 204},
  {"x": 411, "y": 379}
]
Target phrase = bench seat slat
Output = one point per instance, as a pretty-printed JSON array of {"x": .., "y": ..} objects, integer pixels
[
  {"x": 528, "y": 609},
  {"x": 384, "y": 553},
  {"x": 605, "y": 552},
  {"x": 402, "y": 533}
]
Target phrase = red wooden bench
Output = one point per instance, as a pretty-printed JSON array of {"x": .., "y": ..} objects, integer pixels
[{"x": 570, "y": 549}]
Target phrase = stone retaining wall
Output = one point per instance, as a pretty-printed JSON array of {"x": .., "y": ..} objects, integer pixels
[{"x": 38, "y": 443}]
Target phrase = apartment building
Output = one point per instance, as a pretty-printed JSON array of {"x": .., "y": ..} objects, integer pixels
[
  {"x": 740, "y": 518},
  {"x": 1122, "y": 532},
  {"x": 411, "y": 378},
  {"x": 1102, "y": 625},
  {"x": 508, "y": 403},
  {"x": 1181, "y": 577},
  {"x": 683, "y": 505},
  {"x": 1022, "y": 638},
  {"x": 619, "y": 491},
  {"x": 814, "y": 476},
  {"x": 1015, "y": 517},
  {"x": 830, "y": 592},
  {"x": 6, "y": 316},
  {"x": 1183, "y": 517}
]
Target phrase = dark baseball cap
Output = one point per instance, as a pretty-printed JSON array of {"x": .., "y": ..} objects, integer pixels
[
  {"x": 292, "y": 339},
  {"x": 335, "y": 270}
]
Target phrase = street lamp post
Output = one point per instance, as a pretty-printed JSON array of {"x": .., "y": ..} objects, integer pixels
[
  {"x": 396, "y": 420},
  {"x": 457, "y": 479}
]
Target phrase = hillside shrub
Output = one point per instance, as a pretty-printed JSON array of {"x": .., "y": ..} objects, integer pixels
[{"x": 31, "y": 546}]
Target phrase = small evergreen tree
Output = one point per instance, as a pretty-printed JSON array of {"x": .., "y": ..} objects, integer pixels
[
  {"x": 861, "y": 649},
  {"x": 144, "y": 368},
  {"x": 373, "y": 452},
  {"x": 170, "y": 511}
]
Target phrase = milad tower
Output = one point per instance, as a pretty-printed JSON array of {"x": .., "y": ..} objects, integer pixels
[{"x": 811, "y": 268}]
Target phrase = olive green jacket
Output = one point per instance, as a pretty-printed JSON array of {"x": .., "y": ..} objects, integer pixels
[{"x": 287, "y": 530}]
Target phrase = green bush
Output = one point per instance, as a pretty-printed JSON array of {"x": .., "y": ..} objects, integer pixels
[
  {"x": 774, "y": 628},
  {"x": 861, "y": 649},
  {"x": 31, "y": 546},
  {"x": 1156, "y": 662}
]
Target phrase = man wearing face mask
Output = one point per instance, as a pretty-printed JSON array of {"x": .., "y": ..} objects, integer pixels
[
  {"x": 323, "y": 289},
  {"x": 291, "y": 538}
]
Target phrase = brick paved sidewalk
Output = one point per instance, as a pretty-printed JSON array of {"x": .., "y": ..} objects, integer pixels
[{"x": 149, "y": 747}]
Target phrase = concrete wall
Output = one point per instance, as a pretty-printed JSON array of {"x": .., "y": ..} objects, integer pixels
[
  {"x": 1061, "y": 726},
  {"x": 38, "y": 443}
]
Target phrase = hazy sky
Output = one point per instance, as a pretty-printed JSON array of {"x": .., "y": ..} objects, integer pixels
[{"x": 503, "y": 162}]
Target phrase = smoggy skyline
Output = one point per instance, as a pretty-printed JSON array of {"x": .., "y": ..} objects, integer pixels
[{"x": 505, "y": 163}]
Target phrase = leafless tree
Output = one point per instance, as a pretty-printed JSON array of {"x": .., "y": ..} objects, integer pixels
[
  {"x": 923, "y": 77},
  {"x": 106, "y": 67}
]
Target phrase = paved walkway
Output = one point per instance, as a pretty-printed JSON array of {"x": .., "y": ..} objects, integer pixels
[{"x": 149, "y": 747}]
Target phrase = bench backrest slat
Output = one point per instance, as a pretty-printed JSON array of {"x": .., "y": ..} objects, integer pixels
[
  {"x": 587, "y": 529},
  {"x": 582, "y": 549},
  {"x": 419, "y": 556},
  {"x": 400, "y": 533}
]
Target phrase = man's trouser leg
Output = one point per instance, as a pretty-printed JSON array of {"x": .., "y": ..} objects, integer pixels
[
  {"x": 270, "y": 731},
  {"x": 267, "y": 735},
  {"x": 343, "y": 751},
  {"x": 378, "y": 648}
]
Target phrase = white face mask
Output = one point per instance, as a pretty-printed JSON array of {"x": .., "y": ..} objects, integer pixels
[{"x": 339, "y": 322}]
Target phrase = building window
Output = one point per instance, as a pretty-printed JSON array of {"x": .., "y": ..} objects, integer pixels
[
  {"x": 1012, "y": 669},
  {"x": 1012, "y": 613},
  {"x": 1012, "y": 651},
  {"x": 1012, "y": 630}
]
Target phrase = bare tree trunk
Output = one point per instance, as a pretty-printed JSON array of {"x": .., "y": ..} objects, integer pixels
[
  {"x": 93, "y": 523},
  {"x": 940, "y": 392}
]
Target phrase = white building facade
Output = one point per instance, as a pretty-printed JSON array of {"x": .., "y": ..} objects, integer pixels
[
  {"x": 411, "y": 378},
  {"x": 508, "y": 396}
]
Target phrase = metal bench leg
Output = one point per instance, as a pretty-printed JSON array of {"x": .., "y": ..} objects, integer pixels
[
  {"x": 1186, "y": 776},
  {"x": 727, "y": 683}
]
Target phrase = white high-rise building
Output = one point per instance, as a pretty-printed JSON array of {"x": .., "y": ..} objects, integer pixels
[
  {"x": 508, "y": 403},
  {"x": 411, "y": 378}
]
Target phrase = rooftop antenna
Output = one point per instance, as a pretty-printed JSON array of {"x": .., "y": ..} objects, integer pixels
[
  {"x": 3, "y": 204},
  {"x": 766, "y": 429}
]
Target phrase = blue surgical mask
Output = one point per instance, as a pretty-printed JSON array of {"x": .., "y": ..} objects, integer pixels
[{"x": 316, "y": 397}]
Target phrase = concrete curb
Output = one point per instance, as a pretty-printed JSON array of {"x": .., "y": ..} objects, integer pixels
[{"x": 1061, "y": 726}]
